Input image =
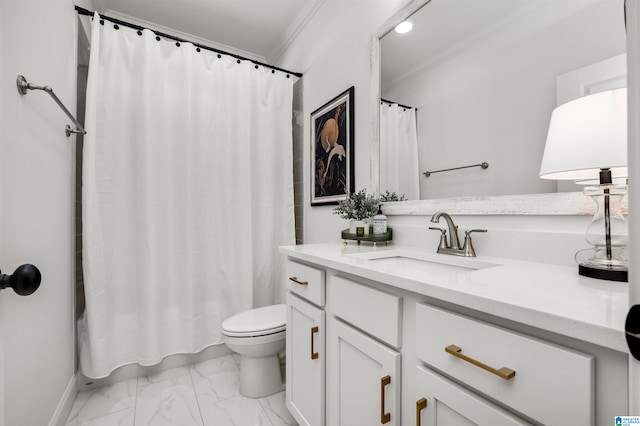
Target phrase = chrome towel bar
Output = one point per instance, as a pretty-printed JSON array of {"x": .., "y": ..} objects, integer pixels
[
  {"x": 23, "y": 87},
  {"x": 483, "y": 165}
]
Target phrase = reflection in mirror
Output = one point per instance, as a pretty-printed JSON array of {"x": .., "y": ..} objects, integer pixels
[
  {"x": 399, "y": 166},
  {"x": 483, "y": 77}
]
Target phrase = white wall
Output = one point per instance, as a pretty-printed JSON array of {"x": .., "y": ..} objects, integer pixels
[
  {"x": 492, "y": 102},
  {"x": 333, "y": 53},
  {"x": 633, "y": 66},
  {"x": 2, "y": 126},
  {"x": 547, "y": 239},
  {"x": 37, "y": 40}
]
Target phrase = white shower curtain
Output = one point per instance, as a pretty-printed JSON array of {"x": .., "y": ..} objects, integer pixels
[
  {"x": 187, "y": 193},
  {"x": 399, "y": 151}
]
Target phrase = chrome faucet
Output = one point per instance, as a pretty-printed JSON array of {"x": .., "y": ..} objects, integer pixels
[
  {"x": 454, "y": 248},
  {"x": 453, "y": 229}
]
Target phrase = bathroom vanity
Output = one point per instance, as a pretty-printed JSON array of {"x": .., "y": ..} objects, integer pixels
[{"x": 395, "y": 335}]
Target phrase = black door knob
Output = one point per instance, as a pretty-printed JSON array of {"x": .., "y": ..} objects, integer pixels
[{"x": 24, "y": 280}]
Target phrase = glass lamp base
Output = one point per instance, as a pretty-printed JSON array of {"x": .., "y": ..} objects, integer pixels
[
  {"x": 610, "y": 274},
  {"x": 607, "y": 233}
]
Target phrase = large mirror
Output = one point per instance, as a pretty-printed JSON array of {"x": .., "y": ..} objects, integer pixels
[{"x": 481, "y": 78}]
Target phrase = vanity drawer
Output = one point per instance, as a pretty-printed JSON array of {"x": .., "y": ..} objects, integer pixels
[
  {"x": 305, "y": 281},
  {"x": 551, "y": 384},
  {"x": 373, "y": 311}
]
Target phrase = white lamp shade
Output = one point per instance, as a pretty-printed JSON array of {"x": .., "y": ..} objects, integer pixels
[{"x": 586, "y": 135}]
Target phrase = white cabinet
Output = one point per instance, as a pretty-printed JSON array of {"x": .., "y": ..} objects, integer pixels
[
  {"x": 373, "y": 311},
  {"x": 440, "y": 402},
  {"x": 395, "y": 356},
  {"x": 305, "y": 370},
  {"x": 547, "y": 382},
  {"x": 305, "y": 281},
  {"x": 305, "y": 361},
  {"x": 364, "y": 379}
]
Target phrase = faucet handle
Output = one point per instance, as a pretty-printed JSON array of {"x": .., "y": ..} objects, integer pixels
[
  {"x": 468, "y": 245},
  {"x": 443, "y": 237}
]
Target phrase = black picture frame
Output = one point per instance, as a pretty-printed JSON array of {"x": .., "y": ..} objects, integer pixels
[{"x": 332, "y": 150}]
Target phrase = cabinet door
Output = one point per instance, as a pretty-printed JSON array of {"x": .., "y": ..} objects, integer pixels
[
  {"x": 440, "y": 402},
  {"x": 364, "y": 379},
  {"x": 305, "y": 361},
  {"x": 550, "y": 383}
]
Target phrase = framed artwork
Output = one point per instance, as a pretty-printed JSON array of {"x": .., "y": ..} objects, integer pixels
[{"x": 332, "y": 158}]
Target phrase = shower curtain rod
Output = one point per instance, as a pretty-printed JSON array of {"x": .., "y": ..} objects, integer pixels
[
  {"x": 83, "y": 11},
  {"x": 24, "y": 86},
  {"x": 393, "y": 103}
]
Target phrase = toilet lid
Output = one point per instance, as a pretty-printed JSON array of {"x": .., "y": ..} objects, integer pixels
[{"x": 256, "y": 322}]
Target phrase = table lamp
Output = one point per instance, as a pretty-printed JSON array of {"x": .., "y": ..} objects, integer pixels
[{"x": 587, "y": 143}]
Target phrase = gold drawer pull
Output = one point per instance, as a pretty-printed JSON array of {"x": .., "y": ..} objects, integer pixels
[
  {"x": 295, "y": 280},
  {"x": 421, "y": 404},
  {"x": 384, "y": 417},
  {"x": 314, "y": 354},
  {"x": 504, "y": 372}
]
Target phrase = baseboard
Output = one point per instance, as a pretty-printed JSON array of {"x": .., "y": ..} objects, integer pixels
[{"x": 66, "y": 403}]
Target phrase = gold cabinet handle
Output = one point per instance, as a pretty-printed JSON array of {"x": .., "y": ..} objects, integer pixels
[
  {"x": 384, "y": 417},
  {"x": 314, "y": 354},
  {"x": 421, "y": 404},
  {"x": 295, "y": 280},
  {"x": 504, "y": 372}
]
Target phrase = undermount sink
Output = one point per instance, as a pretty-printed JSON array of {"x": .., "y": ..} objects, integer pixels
[{"x": 431, "y": 263}]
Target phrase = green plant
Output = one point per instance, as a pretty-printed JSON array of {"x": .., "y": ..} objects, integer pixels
[
  {"x": 357, "y": 206},
  {"x": 391, "y": 196}
]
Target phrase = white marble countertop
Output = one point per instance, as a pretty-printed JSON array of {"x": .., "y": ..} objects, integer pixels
[{"x": 549, "y": 297}]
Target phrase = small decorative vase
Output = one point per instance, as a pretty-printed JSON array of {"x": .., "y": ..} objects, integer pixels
[{"x": 354, "y": 226}]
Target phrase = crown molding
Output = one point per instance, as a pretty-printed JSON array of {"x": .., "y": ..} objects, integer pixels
[{"x": 298, "y": 24}]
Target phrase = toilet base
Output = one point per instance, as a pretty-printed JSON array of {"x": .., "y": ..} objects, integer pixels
[{"x": 260, "y": 376}]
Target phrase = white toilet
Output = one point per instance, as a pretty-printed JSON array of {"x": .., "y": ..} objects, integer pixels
[{"x": 258, "y": 336}]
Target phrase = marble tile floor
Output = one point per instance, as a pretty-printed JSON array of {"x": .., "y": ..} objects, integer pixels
[{"x": 204, "y": 394}]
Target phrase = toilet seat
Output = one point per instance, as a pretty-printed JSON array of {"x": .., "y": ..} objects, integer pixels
[{"x": 256, "y": 322}]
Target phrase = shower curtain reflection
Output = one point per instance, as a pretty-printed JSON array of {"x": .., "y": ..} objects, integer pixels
[
  {"x": 187, "y": 192},
  {"x": 399, "y": 150}
]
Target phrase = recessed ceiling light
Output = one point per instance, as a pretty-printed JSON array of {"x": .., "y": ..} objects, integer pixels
[{"x": 404, "y": 27}]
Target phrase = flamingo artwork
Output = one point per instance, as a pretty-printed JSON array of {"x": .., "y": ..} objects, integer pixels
[
  {"x": 332, "y": 132},
  {"x": 330, "y": 155},
  {"x": 329, "y": 139}
]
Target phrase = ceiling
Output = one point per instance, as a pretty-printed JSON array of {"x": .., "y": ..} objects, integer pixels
[
  {"x": 258, "y": 29},
  {"x": 441, "y": 29},
  {"x": 445, "y": 28}
]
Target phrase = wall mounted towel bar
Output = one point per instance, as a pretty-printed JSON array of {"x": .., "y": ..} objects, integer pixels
[
  {"x": 23, "y": 87},
  {"x": 483, "y": 165}
]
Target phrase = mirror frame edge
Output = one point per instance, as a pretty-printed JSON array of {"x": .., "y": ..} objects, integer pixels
[
  {"x": 561, "y": 203},
  {"x": 375, "y": 90}
]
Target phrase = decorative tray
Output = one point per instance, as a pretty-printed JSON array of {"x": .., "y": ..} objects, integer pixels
[{"x": 370, "y": 237}]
